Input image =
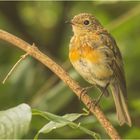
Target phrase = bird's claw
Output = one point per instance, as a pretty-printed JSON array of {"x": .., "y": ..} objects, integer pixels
[
  {"x": 93, "y": 103},
  {"x": 84, "y": 91}
]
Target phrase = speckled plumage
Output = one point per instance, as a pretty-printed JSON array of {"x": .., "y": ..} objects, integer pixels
[{"x": 94, "y": 54}]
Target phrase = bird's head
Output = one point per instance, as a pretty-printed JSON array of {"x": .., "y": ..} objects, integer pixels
[{"x": 84, "y": 23}]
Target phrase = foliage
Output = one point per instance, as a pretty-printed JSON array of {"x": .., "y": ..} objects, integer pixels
[
  {"x": 58, "y": 122},
  {"x": 14, "y": 122},
  {"x": 44, "y": 24}
]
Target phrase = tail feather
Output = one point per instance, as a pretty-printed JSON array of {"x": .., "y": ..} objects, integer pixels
[{"x": 121, "y": 106}]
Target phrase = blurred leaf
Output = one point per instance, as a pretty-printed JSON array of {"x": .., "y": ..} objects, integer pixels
[
  {"x": 58, "y": 121},
  {"x": 55, "y": 95},
  {"x": 133, "y": 133},
  {"x": 14, "y": 122}
]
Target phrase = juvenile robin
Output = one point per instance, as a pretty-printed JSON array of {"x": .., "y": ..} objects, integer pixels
[{"x": 93, "y": 52}]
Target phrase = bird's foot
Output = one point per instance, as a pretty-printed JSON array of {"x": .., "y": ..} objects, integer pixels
[
  {"x": 95, "y": 102},
  {"x": 84, "y": 91}
]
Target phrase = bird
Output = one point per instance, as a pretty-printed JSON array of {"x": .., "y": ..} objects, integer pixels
[{"x": 94, "y": 54}]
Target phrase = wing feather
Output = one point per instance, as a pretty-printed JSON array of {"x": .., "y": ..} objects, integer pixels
[{"x": 117, "y": 62}]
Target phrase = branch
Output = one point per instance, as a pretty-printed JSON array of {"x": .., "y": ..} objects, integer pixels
[{"x": 48, "y": 62}]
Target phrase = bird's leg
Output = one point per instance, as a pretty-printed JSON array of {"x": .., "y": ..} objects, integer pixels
[
  {"x": 89, "y": 87},
  {"x": 85, "y": 90},
  {"x": 95, "y": 102},
  {"x": 103, "y": 91},
  {"x": 98, "y": 99}
]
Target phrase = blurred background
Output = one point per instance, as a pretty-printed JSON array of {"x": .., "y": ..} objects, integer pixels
[{"x": 43, "y": 23}]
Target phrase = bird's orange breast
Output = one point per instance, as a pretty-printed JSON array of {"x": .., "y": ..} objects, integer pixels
[{"x": 84, "y": 52}]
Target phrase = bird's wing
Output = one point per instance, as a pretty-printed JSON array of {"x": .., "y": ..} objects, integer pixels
[{"x": 116, "y": 62}]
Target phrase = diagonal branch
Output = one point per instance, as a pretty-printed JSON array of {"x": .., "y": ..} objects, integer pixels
[{"x": 63, "y": 75}]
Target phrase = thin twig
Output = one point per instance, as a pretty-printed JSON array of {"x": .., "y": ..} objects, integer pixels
[
  {"x": 58, "y": 70},
  {"x": 14, "y": 67}
]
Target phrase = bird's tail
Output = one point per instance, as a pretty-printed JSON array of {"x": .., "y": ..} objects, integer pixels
[{"x": 121, "y": 106}]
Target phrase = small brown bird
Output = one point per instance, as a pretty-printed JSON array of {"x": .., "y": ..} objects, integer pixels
[{"x": 94, "y": 54}]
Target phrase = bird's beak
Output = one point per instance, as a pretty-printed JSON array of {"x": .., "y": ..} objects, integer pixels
[{"x": 69, "y": 22}]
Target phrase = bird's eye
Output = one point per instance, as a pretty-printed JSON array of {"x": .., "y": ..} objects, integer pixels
[{"x": 86, "y": 22}]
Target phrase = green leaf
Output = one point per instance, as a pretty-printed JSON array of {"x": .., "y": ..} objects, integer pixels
[
  {"x": 14, "y": 122},
  {"x": 61, "y": 121}
]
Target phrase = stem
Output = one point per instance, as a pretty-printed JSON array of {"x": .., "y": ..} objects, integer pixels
[{"x": 14, "y": 67}]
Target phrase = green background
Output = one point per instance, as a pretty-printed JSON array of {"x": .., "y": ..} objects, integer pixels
[{"x": 43, "y": 23}]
